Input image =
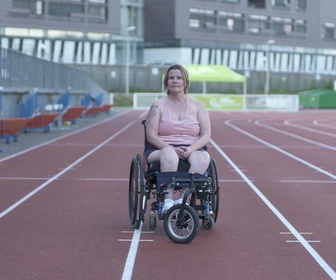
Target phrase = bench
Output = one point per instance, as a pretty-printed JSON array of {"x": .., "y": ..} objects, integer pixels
[
  {"x": 72, "y": 113},
  {"x": 40, "y": 121},
  {"x": 10, "y": 128},
  {"x": 93, "y": 111}
]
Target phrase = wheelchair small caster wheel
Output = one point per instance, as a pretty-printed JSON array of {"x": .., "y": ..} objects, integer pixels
[
  {"x": 182, "y": 228},
  {"x": 208, "y": 223},
  {"x": 152, "y": 221}
]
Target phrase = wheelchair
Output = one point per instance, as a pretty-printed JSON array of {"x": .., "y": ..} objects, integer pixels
[{"x": 181, "y": 221}]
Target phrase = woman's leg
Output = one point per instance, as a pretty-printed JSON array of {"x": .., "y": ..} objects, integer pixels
[
  {"x": 168, "y": 163},
  {"x": 199, "y": 162}
]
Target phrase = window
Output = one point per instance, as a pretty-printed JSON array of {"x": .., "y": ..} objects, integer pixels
[
  {"x": 202, "y": 18},
  {"x": 282, "y": 26},
  {"x": 64, "y": 9},
  {"x": 301, "y": 4},
  {"x": 281, "y": 3},
  {"x": 33, "y": 6},
  {"x": 230, "y": 1},
  {"x": 257, "y": 3},
  {"x": 257, "y": 23},
  {"x": 300, "y": 26},
  {"x": 231, "y": 21},
  {"x": 329, "y": 30}
]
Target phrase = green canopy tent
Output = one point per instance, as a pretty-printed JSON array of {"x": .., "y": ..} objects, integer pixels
[{"x": 214, "y": 73}]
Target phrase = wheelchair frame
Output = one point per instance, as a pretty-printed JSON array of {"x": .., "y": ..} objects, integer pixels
[{"x": 181, "y": 222}]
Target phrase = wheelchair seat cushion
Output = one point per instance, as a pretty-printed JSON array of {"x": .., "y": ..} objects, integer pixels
[
  {"x": 182, "y": 166},
  {"x": 180, "y": 179}
]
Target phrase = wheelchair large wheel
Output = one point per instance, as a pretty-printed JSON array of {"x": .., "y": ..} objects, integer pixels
[
  {"x": 181, "y": 231},
  {"x": 215, "y": 189},
  {"x": 136, "y": 194}
]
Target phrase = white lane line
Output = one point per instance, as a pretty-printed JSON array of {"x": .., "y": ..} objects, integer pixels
[
  {"x": 305, "y": 181},
  {"x": 129, "y": 265},
  {"x": 19, "y": 202},
  {"x": 289, "y": 123},
  {"x": 309, "y": 241},
  {"x": 295, "y": 136},
  {"x": 24, "y": 178},
  {"x": 140, "y": 240},
  {"x": 288, "y": 225},
  {"x": 282, "y": 151}
]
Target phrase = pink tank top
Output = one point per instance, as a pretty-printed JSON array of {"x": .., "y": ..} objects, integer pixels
[{"x": 173, "y": 131}]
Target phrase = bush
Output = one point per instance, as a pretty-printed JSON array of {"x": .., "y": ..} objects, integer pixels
[{"x": 121, "y": 100}]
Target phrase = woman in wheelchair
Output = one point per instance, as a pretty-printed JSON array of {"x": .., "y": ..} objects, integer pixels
[{"x": 177, "y": 128}]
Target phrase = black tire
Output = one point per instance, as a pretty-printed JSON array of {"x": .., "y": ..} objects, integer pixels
[
  {"x": 215, "y": 189},
  {"x": 152, "y": 222},
  {"x": 137, "y": 199},
  {"x": 133, "y": 192},
  {"x": 208, "y": 223},
  {"x": 185, "y": 231}
]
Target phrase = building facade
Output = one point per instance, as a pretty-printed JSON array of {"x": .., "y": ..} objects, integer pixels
[
  {"x": 71, "y": 31},
  {"x": 246, "y": 35},
  {"x": 284, "y": 35}
]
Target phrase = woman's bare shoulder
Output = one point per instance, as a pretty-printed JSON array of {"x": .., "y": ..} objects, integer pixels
[
  {"x": 156, "y": 108},
  {"x": 196, "y": 103}
]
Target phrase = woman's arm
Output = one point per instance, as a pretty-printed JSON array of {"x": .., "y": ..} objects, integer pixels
[
  {"x": 205, "y": 127},
  {"x": 152, "y": 126}
]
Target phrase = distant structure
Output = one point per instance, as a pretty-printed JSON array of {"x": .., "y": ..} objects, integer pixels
[{"x": 281, "y": 35}]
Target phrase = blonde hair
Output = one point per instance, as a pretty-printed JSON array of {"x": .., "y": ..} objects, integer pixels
[{"x": 185, "y": 77}]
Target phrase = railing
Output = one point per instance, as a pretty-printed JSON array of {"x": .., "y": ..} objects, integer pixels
[
  {"x": 22, "y": 75},
  {"x": 19, "y": 72}
]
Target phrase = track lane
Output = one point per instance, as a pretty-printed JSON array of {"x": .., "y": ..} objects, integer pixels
[
  {"x": 269, "y": 188},
  {"x": 245, "y": 244},
  {"x": 67, "y": 231}
]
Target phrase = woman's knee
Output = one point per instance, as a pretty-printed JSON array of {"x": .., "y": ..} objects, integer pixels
[
  {"x": 169, "y": 153},
  {"x": 168, "y": 159},
  {"x": 200, "y": 157}
]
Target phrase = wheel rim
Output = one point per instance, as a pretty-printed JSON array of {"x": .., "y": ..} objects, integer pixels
[{"x": 181, "y": 230}]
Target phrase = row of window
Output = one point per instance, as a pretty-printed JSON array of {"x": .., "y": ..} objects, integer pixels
[
  {"x": 222, "y": 21},
  {"x": 53, "y": 33},
  {"x": 238, "y": 22},
  {"x": 113, "y": 53},
  {"x": 299, "y": 4},
  {"x": 95, "y": 8}
]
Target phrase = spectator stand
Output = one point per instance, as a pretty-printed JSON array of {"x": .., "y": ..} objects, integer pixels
[
  {"x": 37, "y": 120},
  {"x": 10, "y": 127}
]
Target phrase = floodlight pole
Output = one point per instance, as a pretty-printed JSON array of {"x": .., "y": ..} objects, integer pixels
[
  {"x": 127, "y": 59},
  {"x": 268, "y": 68}
]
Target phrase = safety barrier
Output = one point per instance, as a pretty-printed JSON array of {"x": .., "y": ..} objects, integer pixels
[{"x": 229, "y": 101}]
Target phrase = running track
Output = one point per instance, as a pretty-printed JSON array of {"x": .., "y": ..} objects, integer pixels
[{"x": 64, "y": 209}]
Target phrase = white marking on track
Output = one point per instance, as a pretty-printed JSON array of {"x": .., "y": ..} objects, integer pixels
[
  {"x": 55, "y": 177},
  {"x": 326, "y": 267}
]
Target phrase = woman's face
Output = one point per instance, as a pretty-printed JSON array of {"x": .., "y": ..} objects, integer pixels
[{"x": 175, "y": 82}]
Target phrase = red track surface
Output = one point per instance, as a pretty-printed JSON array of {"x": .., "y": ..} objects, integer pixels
[{"x": 64, "y": 205}]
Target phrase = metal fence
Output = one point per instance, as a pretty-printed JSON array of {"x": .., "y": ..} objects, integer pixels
[{"x": 21, "y": 74}]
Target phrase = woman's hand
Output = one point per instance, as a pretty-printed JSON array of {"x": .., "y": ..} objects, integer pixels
[{"x": 183, "y": 152}]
